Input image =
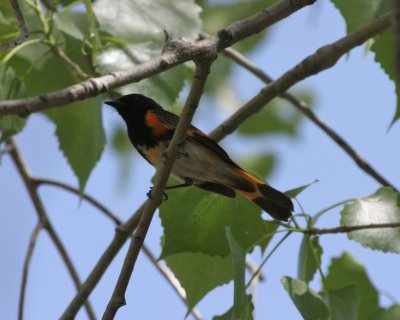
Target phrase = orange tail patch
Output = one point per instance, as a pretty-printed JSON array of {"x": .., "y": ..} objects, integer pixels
[{"x": 272, "y": 201}]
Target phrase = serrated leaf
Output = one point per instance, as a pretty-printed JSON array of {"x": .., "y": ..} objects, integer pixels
[
  {"x": 241, "y": 307},
  {"x": 343, "y": 303},
  {"x": 80, "y": 132},
  {"x": 345, "y": 271},
  {"x": 309, "y": 258},
  {"x": 141, "y": 23},
  {"x": 358, "y": 13},
  {"x": 308, "y": 302},
  {"x": 164, "y": 87},
  {"x": 194, "y": 221},
  {"x": 229, "y": 314},
  {"x": 199, "y": 273},
  {"x": 384, "y": 55},
  {"x": 380, "y": 207},
  {"x": 392, "y": 313}
]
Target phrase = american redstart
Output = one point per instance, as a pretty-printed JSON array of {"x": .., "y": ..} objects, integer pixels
[{"x": 201, "y": 161}]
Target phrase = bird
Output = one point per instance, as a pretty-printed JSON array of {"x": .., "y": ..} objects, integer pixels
[{"x": 201, "y": 162}]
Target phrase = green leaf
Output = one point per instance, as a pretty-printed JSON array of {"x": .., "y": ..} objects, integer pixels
[
  {"x": 217, "y": 16},
  {"x": 343, "y": 303},
  {"x": 276, "y": 118},
  {"x": 345, "y": 271},
  {"x": 141, "y": 24},
  {"x": 308, "y": 302},
  {"x": 261, "y": 165},
  {"x": 229, "y": 314},
  {"x": 194, "y": 221},
  {"x": 358, "y": 13},
  {"x": 242, "y": 309},
  {"x": 309, "y": 258},
  {"x": 293, "y": 193},
  {"x": 271, "y": 227},
  {"x": 380, "y": 207},
  {"x": 72, "y": 23},
  {"x": 384, "y": 56},
  {"x": 164, "y": 87},
  {"x": 392, "y": 313},
  {"x": 80, "y": 132},
  {"x": 11, "y": 87},
  {"x": 199, "y": 273}
]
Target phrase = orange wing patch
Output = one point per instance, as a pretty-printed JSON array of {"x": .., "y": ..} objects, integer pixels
[{"x": 155, "y": 124}]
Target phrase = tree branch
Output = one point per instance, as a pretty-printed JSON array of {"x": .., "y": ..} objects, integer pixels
[
  {"x": 347, "y": 229},
  {"x": 162, "y": 269},
  {"x": 43, "y": 217},
  {"x": 201, "y": 73},
  {"x": 24, "y": 35},
  {"x": 95, "y": 86},
  {"x": 323, "y": 58},
  {"x": 27, "y": 262},
  {"x": 309, "y": 113}
]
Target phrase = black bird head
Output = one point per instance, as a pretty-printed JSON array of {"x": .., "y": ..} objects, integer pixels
[{"x": 133, "y": 106}]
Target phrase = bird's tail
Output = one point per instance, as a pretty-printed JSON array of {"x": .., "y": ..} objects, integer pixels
[{"x": 272, "y": 201}]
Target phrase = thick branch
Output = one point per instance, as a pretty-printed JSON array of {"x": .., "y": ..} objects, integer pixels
[
  {"x": 24, "y": 35},
  {"x": 324, "y": 58},
  {"x": 118, "y": 297},
  {"x": 95, "y": 86},
  {"x": 43, "y": 217},
  {"x": 305, "y": 109}
]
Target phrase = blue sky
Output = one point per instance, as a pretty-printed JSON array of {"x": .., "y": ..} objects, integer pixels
[{"x": 355, "y": 98}]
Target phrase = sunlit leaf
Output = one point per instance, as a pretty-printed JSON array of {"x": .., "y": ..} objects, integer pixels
[
  {"x": 142, "y": 24},
  {"x": 380, "y": 207}
]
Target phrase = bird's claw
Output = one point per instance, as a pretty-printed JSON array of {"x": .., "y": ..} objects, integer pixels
[{"x": 165, "y": 196}]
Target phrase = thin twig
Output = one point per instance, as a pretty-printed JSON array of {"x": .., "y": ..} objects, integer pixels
[
  {"x": 27, "y": 262},
  {"x": 162, "y": 269},
  {"x": 201, "y": 73},
  {"x": 322, "y": 59},
  {"x": 91, "y": 200},
  {"x": 305, "y": 109},
  {"x": 44, "y": 219},
  {"x": 95, "y": 86},
  {"x": 23, "y": 29},
  {"x": 59, "y": 53},
  {"x": 347, "y": 229}
]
